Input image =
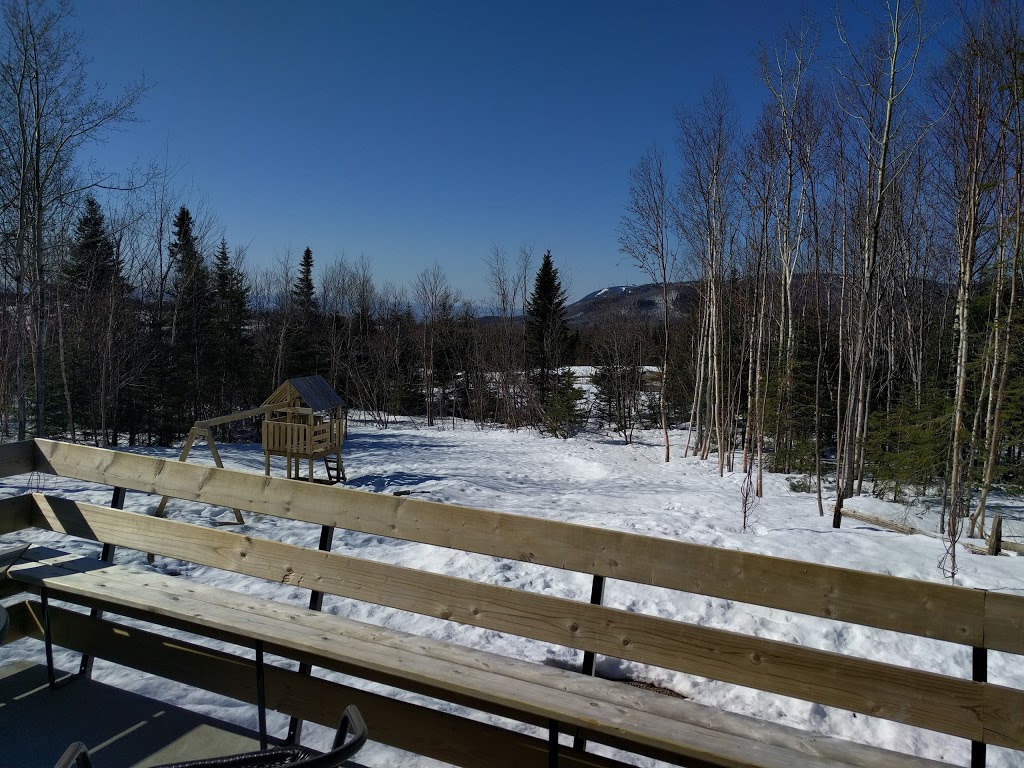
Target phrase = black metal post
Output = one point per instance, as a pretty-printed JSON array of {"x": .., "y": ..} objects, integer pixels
[
  {"x": 596, "y": 598},
  {"x": 51, "y": 673},
  {"x": 979, "y": 669},
  {"x": 261, "y": 695},
  {"x": 316, "y": 603},
  {"x": 552, "y": 744},
  {"x": 107, "y": 556}
]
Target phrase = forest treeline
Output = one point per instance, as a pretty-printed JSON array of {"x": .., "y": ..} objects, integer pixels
[{"x": 838, "y": 277}]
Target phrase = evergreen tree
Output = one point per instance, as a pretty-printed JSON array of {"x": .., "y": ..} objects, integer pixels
[
  {"x": 305, "y": 338},
  {"x": 91, "y": 265},
  {"x": 190, "y": 337},
  {"x": 550, "y": 347},
  {"x": 906, "y": 448},
  {"x": 92, "y": 290},
  {"x": 618, "y": 378},
  {"x": 230, "y": 330}
]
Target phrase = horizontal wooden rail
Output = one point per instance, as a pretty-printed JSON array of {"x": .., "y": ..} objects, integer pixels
[
  {"x": 964, "y": 708},
  {"x": 16, "y": 513},
  {"x": 449, "y": 738},
  {"x": 939, "y": 611},
  {"x": 261, "y": 411},
  {"x": 641, "y": 721},
  {"x": 17, "y": 458}
]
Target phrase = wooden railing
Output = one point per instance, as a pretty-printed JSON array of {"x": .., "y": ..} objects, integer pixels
[
  {"x": 283, "y": 437},
  {"x": 984, "y": 620}
]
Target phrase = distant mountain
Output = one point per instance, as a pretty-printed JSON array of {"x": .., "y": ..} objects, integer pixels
[
  {"x": 628, "y": 300},
  {"x": 644, "y": 301}
]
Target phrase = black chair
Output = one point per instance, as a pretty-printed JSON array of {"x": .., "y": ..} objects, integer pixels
[{"x": 349, "y": 739}]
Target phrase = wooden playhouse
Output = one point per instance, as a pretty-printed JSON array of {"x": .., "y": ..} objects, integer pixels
[{"x": 305, "y": 419}]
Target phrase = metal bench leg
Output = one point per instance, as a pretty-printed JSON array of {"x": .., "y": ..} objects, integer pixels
[
  {"x": 589, "y": 657},
  {"x": 979, "y": 674},
  {"x": 107, "y": 556},
  {"x": 261, "y": 694},
  {"x": 51, "y": 674},
  {"x": 316, "y": 603},
  {"x": 552, "y": 744}
]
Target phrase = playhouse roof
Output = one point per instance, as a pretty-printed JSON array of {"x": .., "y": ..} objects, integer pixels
[{"x": 314, "y": 391}]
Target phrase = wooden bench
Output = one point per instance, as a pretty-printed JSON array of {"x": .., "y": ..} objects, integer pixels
[{"x": 559, "y": 700}]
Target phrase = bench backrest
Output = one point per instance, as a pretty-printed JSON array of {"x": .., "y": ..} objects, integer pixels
[{"x": 979, "y": 618}]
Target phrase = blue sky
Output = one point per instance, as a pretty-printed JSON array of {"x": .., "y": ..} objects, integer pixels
[{"x": 412, "y": 131}]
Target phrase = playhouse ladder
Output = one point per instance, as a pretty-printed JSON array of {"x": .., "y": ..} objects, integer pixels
[{"x": 335, "y": 469}]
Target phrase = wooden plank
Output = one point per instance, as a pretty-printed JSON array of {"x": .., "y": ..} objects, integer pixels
[
  {"x": 25, "y": 622},
  {"x": 30, "y": 578},
  {"x": 212, "y": 444},
  {"x": 262, "y": 410},
  {"x": 17, "y": 458},
  {"x": 185, "y": 450},
  {"x": 616, "y": 693},
  {"x": 16, "y": 513},
  {"x": 288, "y": 629},
  {"x": 939, "y": 611},
  {"x": 442, "y": 736},
  {"x": 927, "y": 700},
  {"x": 1004, "y": 621}
]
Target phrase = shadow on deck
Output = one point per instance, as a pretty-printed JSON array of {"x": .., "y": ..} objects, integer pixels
[{"x": 120, "y": 728}]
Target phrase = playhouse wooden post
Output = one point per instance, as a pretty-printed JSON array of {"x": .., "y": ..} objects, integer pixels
[
  {"x": 194, "y": 433},
  {"x": 216, "y": 460},
  {"x": 186, "y": 449}
]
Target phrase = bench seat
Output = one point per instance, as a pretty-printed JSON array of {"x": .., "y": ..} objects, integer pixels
[{"x": 604, "y": 710}]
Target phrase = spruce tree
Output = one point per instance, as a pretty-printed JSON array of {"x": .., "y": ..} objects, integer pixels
[
  {"x": 230, "y": 332},
  {"x": 91, "y": 265},
  {"x": 91, "y": 289},
  {"x": 190, "y": 337},
  {"x": 304, "y": 338},
  {"x": 550, "y": 347}
]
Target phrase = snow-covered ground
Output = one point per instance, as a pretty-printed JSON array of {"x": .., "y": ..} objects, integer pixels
[{"x": 593, "y": 480}]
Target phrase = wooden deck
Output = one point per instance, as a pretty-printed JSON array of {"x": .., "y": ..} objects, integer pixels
[{"x": 120, "y": 728}]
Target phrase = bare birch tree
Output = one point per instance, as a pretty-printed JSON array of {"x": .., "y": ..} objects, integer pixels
[
  {"x": 706, "y": 214},
  {"x": 644, "y": 238},
  {"x": 50, "y": 113},
  {"x": 874, "y": 92}
]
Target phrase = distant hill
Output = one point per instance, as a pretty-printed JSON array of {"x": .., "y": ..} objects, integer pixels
[
  {"x": 628, "y": 301},
  {"x": 644, "y": 301}
]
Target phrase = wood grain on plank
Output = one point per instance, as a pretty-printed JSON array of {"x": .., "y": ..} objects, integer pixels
[
  {"x": 439, "y": 735},
  {"x": 954, "y": 614},
  {"x": 417, "y": 658},
  {"x": 16, "y": 513},
  {"x": 17, "y": 458},
  {"x": 1004, "y": 621},
  {"x": 928, "y": 700}
]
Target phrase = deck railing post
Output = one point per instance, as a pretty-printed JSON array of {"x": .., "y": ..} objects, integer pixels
[
  {"x": 596, "y": 597},
  {"x": 316, "y": 603},
  {"x": 261, "y": 695},
  {"x": 979, "y": 669},
  {"x": 107, "y": 556}
]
